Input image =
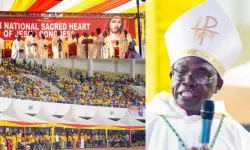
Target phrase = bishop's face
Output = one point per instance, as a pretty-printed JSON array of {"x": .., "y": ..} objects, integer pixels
[{"x": 193, "y": 80}]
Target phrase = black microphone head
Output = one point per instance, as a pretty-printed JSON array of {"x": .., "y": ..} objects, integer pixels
[{"x": 207, "y": 109}]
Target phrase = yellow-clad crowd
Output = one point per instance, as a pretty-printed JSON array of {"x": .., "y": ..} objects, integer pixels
[
  {"x": 45, "y": 141},
  {"x": 103, "y": 88}
]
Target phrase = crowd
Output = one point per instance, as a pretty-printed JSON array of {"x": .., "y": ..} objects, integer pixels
[
  {"x": 102, "y": 89},
  {"x": 66, "y": 140}
]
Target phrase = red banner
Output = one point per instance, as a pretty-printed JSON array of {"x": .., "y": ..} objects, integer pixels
[{"x": 10, "y": 27}]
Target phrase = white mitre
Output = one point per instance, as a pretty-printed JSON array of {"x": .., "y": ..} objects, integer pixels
[{"x": 204, "y": 31}]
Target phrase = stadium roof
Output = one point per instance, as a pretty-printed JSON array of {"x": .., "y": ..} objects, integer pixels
[
  {"x": 99, "y": 118},
  {"x": 45, "y": 115},
  {"x": 16, "y": 113},
  {"x": 130, "y": 120},
  {"x": 72, "y": 117}
]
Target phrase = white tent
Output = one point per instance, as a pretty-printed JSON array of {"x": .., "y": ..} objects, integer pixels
[
  {"x": 16, "y": 113},
  {"x": 102, "y": 120},
  {"x": 7, "y": 118},
  {"x": 130, "y": 120},
  {"x": 72, "y": 117},
  {"x": 45, "y": 115}
]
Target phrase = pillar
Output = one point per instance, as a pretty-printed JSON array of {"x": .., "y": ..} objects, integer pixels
[
  {"x": 132, "y": 68},
  {"x": 90, "y": 67},
  {"x": 116, "y": 69},
  {"x": 72, "y": 63},
  {"x": 44, "y": 63}
]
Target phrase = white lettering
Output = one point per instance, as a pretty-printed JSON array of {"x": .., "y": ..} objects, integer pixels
[
  {"x": 75, "y": 26},
  {"x": 48, "y": 34},
  {"x": 84, "y": 26},
  {"x": 88, "y": 24},
  {"x": 71, "y": 26},
  {"x": 6, "y": 25},
  {"x": 27, "y": 26},
  {"x": 11, "y": 27},
  {"x": 42, "y": 26},
  {"x": 15, "y": 25},
  {"x": 23, "y": 26},
  {"x": 33, "y": 27},
  {"x": 56, "y": 26},
  {"x": 19, "y": 32},
  {"x": 64, "y": 26}
]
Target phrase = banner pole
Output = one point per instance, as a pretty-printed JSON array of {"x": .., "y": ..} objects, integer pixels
[
  {"x": 138, "y": 25},
  {"x": 107, "y": 137}
]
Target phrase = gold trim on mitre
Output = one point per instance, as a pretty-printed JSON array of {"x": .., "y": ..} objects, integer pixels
[{"x": 208, "y": 57}]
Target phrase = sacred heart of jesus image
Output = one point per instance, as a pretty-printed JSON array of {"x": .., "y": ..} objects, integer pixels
[{"x": 205, "y": 29}]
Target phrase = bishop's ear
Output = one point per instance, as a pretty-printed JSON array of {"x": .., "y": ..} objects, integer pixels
[
  {"x": 219, "y": 84},
  {"x": 170, "y": 74}
]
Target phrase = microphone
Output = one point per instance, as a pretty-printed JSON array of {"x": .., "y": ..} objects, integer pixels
[{"x": 207, "y": 114}]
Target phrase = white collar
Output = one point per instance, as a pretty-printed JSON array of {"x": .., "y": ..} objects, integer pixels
[{"x": 164, "y": 104}]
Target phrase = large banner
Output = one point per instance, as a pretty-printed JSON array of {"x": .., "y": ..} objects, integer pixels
[
  {"x": 136, "y": 111},
  {"x": 10, "y": 27}
]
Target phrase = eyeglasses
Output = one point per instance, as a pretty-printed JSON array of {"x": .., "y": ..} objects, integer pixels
[{"x": 199, "y": 78}]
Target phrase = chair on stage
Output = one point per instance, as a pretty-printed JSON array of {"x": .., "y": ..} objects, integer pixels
[
  {"x": 50, "y": 53},
  {"x": 72, "y": 50}
]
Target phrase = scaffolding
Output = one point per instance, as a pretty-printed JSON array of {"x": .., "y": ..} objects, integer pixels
[{"x": 9, "y": 14}]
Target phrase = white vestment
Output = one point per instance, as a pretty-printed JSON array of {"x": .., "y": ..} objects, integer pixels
[
  {"x": 58, "y": 48},
  {"x": 33, "y": 50},
  {"x": 106, "y": 48},
  {"x": 1, "y": 46},
  {"x": 99, "y": 45},
  {"x": 160, "y": 136},
  {"x": 17, "y": 45},
  {"x": 82, "y": 143},
  {"x": 123, "y": 44},
  {"x": 80, "y": 51},
  {"x": 109, "y": 50},
  {"x": 92, "y": 48},
  {"x": 27, "y": 46},
  {"x": 43, "y": 50}
]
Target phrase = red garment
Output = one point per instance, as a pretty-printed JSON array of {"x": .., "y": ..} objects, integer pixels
[
  {"x": 116, "y": 52},
  {"x": 126, "y": 55},
  {"x": 8, "y": 145}
]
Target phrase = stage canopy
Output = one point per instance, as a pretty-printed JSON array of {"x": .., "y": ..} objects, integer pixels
[
  {"x": 74, "y": 6},
  {"x": 131, "y": 121},
  {"x": 14, "y": 112},
  {"x": 100, "y": 119},
  {"x": 43, "y": 114},
  {"x": 72, "y": 117}
]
